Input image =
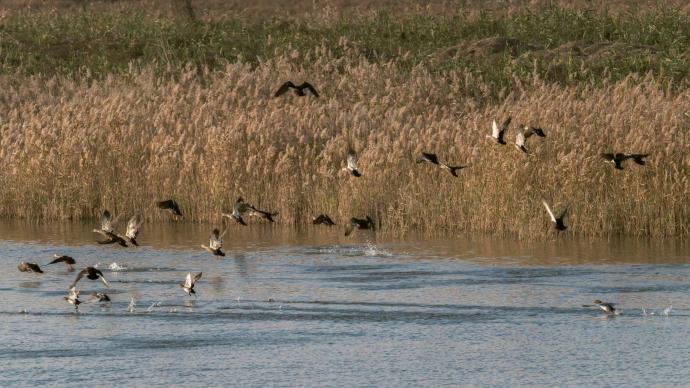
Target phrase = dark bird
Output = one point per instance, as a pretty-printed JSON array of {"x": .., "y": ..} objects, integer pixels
[
  {"x": 107, "y": 231},
  {"x": 133, "y": 226},
  {"x": 73, "y": 297},
  {"x": 215, "y": 244},
  {"x": 558, "y": 221},
  {"x": 498, "y": 133},
  {"x": 98, "y": 297},
  {"x": 91, "y": 273},
  {"x": 189, "y": 281},
  {"x": 358, "y": 223},
  {"x": 351, "y": 166},
  {"x": 171, "y": 206},
  {"x": 607, "y": 307},
  {"x": 323, "y": 219},
  {"x": 433, "y": 159},
  {"x": 69, "y": 261},
  {"x": 617, "y": 159},
  {"x": 266, "y": 215},
  {"x": 299, "y": 89},
  {"x": 522, "y": 136},
  {"x": 29, "y": 267},
  {"x": 238, "y": 211}
]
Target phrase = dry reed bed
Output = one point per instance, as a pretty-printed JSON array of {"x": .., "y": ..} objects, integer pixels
[{"x": 71, "y": 148}]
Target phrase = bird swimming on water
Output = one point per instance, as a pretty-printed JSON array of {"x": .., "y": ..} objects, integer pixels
[
  {"x": 98, "y": 297},
  {"x": 351, "y": 166},
  {"x": 617, "y": 159},
  {"x": 29, "y": 267},
  {"x": 299, "y": 89},
  {"x": 107, "y": 231},
  {"x": 497, "y": 133},
  {"x": 358, "y": 223},
  {"x": 557, "y": 221},
  {"x": 215, "y": 244},
  {"x": 91, "y": 273},
  {"x": 171, "y": 206},
  {"x": 522, "y": 136},
  {"x": 433, "y": 159},
  {"x": 68, "y": 260},
  {"x": 73, "y": 297},
  {"x": 188, "y": 284},
  {"x": 323, "y": 219}
]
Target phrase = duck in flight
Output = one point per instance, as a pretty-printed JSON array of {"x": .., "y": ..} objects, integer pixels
[
  {"x": 497, "y": 133},
  {"x": 73, "y": 297},
  {"x": 265, "y": 215},
  {"x": 323, "y": 219},
  {"x": 107, "y": 231},
  {"x": 91, "y": 273},
  {"x": 238, "y": 211},
  {"x": 522, "y": 136},
  {"x": 68, "y": 260},
  {"x": 215, "y": 244},
  {"x": 29, "y": 267},
  {"x": 557, "y": 221},
  {"x": 617, "y": 159},
  {"x": 171, "y": 206},
  {"x": 351, "y": 166},
  {"x": 358, "y": 223},
  {"x": 607, "y": 307},
  {"x": 433, "y": 159},
  {"x": 188, "y": 284},
  {"x": 299, "y": 89}
]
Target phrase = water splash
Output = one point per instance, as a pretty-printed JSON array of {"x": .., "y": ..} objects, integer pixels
[
  {"x": 372, "y": 250},
  {"x": 667, "y": 310},
  {"x": 154, "y": 304},
  {"x": 132, "y": 304},
  {"x": 115, "y": 267}
]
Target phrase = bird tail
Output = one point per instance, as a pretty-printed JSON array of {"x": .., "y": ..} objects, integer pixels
[{"x": 356, "y": 173}]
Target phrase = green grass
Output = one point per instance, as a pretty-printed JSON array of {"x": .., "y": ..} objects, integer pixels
[{"x": 104, "y": 43}]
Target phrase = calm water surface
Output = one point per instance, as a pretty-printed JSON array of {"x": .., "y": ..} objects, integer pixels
[{"x": 313, "y": 308}]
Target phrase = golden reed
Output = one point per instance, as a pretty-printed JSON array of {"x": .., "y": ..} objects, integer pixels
[{"x": 71, "y": 148}]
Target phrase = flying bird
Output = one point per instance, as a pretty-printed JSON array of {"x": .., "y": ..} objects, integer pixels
[
  {"x": 558, "y": 221},
  {"x": 323, "y": 219},
  {"x": 497, "y": 132},
  {"x": 617, "y": 159},
  {"x": 133, "y": 226},
  {"x": 238, "y": 211},
  {"x": 215, "y": 244},
  {"x": 107, "y": 231},
  {"x": 29, "y": 267},
  {"x": 73, "y": 297},
  {"x": 352, "y": 163},
  {"x": 433, "y": 159},
  {"x": 522, "y": 136},
  {"x": 171, "y": 206},
  {"x": 69, "y": 261},
  {"x": 98, "y": 297},
  {"x": 189, "y": 281},
  {"x": 358, "y": 223},
  {"x": 91, "y": 273},
  {"x": 299, "y": 89}
]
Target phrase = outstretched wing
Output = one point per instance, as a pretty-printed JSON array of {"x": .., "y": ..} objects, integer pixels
[
  {"x": 284, "y": 88},
  {"x": 309, "y": 87},
  {"x": 351, "y": 160},
  {"x": 564, "y": 212},
  {"x": 133, "y": 227},
  {"x": 196, "y": 278},
  {"x": 216, "y": 240},
  {"x": 494, "y": 130},
  {"x": 520, "y": 139},
  {"x": 106, "y": 222},
  {"x": 548, "y": 209},
  {"x": 188, "y": 282},
  {"x": 170, "y": 205},
  {"x": 505, "y": 124}
]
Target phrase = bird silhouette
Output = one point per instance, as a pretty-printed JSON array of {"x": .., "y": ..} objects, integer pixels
[
  {"x": 323, "y": 219},
  {"x": 351, "y": 166},
  {"x": 69, "y": 261},
  {"x": 617, "y": 159},
  {"x": 238, "y": 211},
  {"x": 215, "y": 244},
  {"x": 171, "y": 206},
  {"x": 91, "y": 273},
  {"x": 107, "y": 231},
  {"x": 29, "y": 267},
  {"x": 358, "y": 223},
  {"x": 522, "y": 136},
  {"x": 433, "y": 159},
  {"x": 497, "y": 133},
  {"x": 299, "y": 89},
  {"x": 188, "y": 284},
  {"x": 73, "y": 297}
]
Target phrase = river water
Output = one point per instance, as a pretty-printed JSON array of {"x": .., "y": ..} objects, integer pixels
[{"x": 313, "y": 308}]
